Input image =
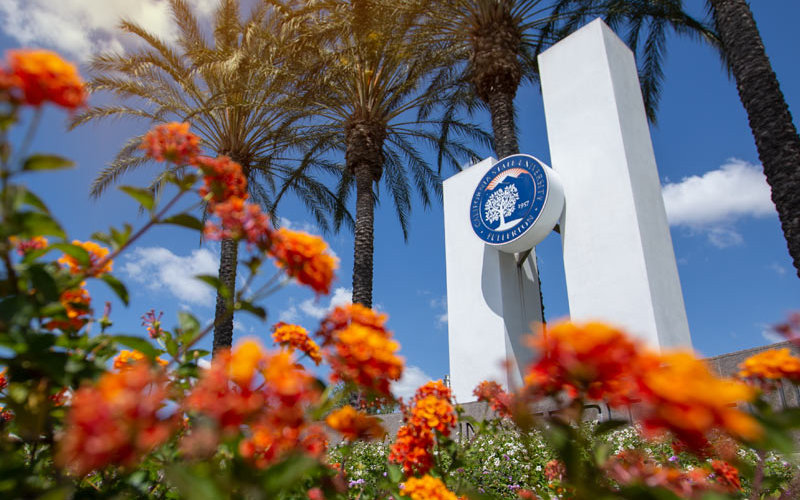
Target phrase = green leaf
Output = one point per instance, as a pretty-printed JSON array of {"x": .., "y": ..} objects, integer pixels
[
  {"x": 251, "y": 308},
  {"x": 395, "y": 473},
  {"x": 37, "y": 224},
  {"x": 184, "y": 220},
  {"x": 140, "y": 344},
  {"x": 76, "y": 252},
  {"x": 119, "y": 238},
  {"x": 43, "y": 283},
  {"x": 288, "y": 474},
  {"x": 215, "y": 283},
  {"x": 143, "y": 196},
  {"x": 197, "y": 483},
  {"x": 188, "y": 322},
  {"x": 118, "y": 287},
  {"x": 32, "y": 200},
  {"x": 46, "y": 162}
]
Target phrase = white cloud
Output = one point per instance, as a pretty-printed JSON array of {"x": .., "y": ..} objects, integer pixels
[
  {"x": 440, "y": 308},
  {"x": 413, "y": 377},
  {"x": 81, "y": 28},
  {"x": 289, "y": 315},
  {"x": 157, "y": 268},
  {"x": 770, "y": 335},
  {"x": 713, "y": 202},
  {"x": 779, "y": 269},
  {"x": 312, "y": 307}
]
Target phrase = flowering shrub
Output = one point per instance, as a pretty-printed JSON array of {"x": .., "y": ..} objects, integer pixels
[{"x": 101, "y": 415}]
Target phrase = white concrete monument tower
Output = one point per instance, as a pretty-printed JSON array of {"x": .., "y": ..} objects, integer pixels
[{"x": 618, "y": 256}]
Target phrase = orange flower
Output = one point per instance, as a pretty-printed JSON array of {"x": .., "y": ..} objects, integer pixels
[
  {"x": 590, "y": 360},
  {"x": 230, "y": 397},
  {"x": 228, "y": 406},
  {"x": 77, "y": 305},
  {"x": 304, "y": 258},
  {"x": 271, "y": 412},
  {"x": 426, "y": 488},
  {"x": 774, "y": 364},
  {"x": 98, "y": 263},
  {"x": 115, "y": 421},
  {"x": 268, "y": 444},
  {"x": 632, "y": 467},
  {"x": 171, "y": 142},
  {"x": 343, "y": 316},
  {"x": 287, "y": 380},
  {"x": 3, "y": 379},
  {"x": 434, "y": 388},
  {"x": 682, "y": 395},
  {"x": 433, "y": 412},
  {"x": 222, "y": 179},
  {"x": 240, "y": 220},
  {"x": 493, "y": 393},
  {"x": 246, "y": 358},
  {"x": 127, "y": 359},
  {"x": 413, "y": 449},
  {"x": 296, "y": 337},
  {"x": 354, "y": 424},
  {"x": 43, "y": 76},
  {"x": 366, "y": 357},
  {"x": 25, "y": 246}
]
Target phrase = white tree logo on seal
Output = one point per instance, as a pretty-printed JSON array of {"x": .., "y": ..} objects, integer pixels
[{"x": 501, "y": 204}]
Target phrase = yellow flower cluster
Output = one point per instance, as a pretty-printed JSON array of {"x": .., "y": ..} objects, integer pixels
[
  {"x": 353, "y": 424},
  {"x": 296, "y": 337},
  {"x": 427, "y": 488},
  {"x": 125, "y": 360},
  {"x": 774, "y": 364},
  {"x": 98, "y": 262},
  {"x": 686, "y": 397}
]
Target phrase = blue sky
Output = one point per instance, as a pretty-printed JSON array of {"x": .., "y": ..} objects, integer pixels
[{"x": 735, "y": 271}]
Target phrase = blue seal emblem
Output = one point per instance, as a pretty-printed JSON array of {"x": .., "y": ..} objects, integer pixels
[{"x": 508, "y": 199}]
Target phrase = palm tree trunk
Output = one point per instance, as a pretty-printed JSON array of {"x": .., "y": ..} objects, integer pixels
[
  {"x": 364, "y": 235},
  {"x": 770, "y": 121},
  {"x": 501, "y": 106},
  {"x": 223, "y": 317}
]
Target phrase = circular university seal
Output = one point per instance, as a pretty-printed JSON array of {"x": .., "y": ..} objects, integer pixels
[{"x": 516, "y": 203}]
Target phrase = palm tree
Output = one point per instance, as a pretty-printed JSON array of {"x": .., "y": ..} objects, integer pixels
[
  {"x": 492, "y": 45},
  {"x": 233, "y": 90},
  {"x": 771, "y": 122},
  {"x": 364, "y": 96},
  {"x": 644, "y": 25},
  {"x": 740, "y": 45}
]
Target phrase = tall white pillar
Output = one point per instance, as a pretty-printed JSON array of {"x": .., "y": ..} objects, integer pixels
[
  {"x": 491, "y": 300},
  {"x": 618, "y": 256}
]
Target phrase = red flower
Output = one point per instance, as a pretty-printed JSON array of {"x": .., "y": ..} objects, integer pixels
[
  {"x": 296, "y": 337},
  {"x": 354, "y": 424},
  {"x": 726, "y": 475},
  {"x": 592, "y": 360},
  {"x": 99, "y": 263},
  {"x": 493, "y": 393},
  {"x": 240, "y": 220},
  {"x": 305, "y": 258},
  {"x": 114, "y": 422},
  {"x": 413, "y": 449},
  {"x": 172, "y": 142},
  {"x": 222, "y": 179},
  {"x": 43, "y": 76},
  {"x": 366, "y": 357},
  {"x": 343, "y": 316}
]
